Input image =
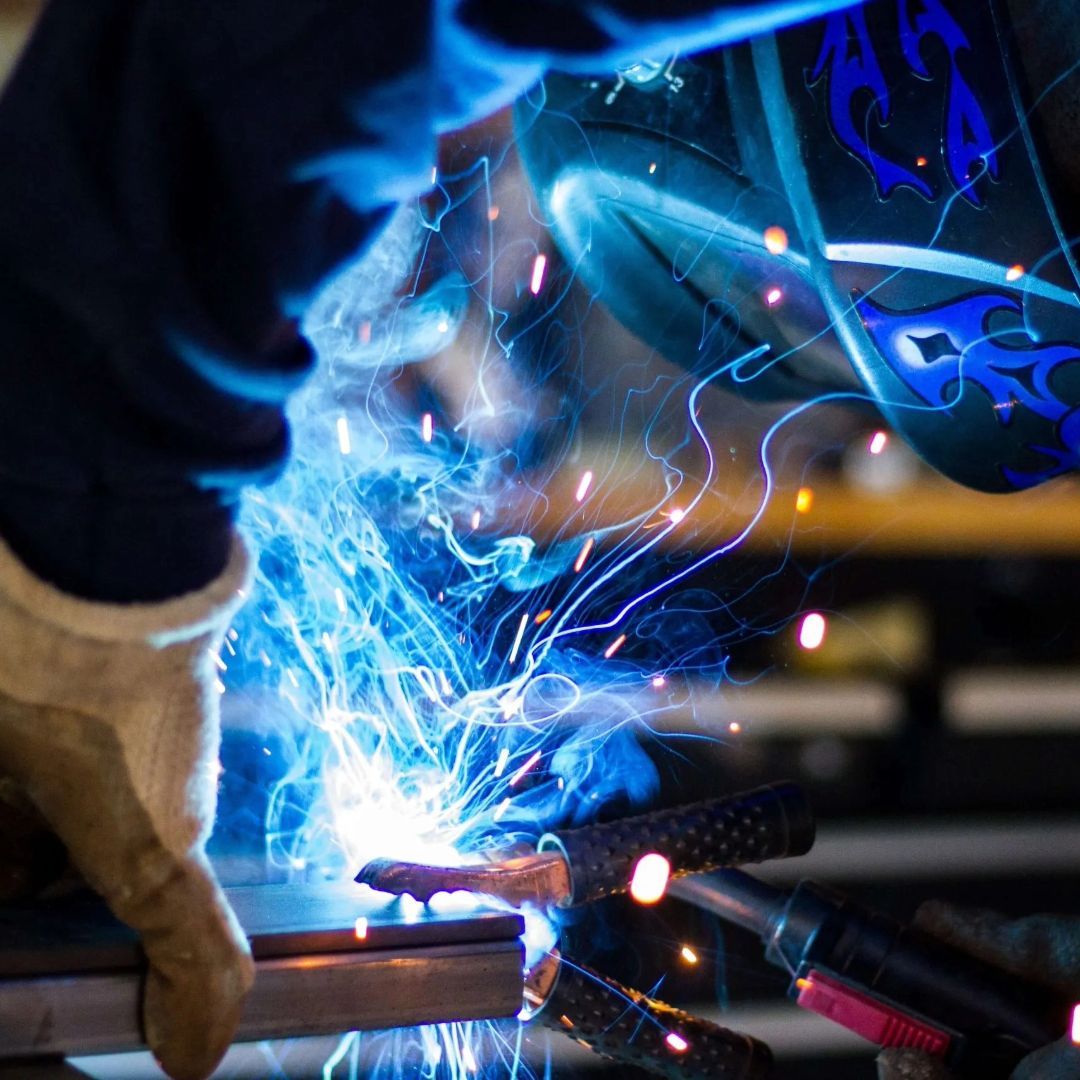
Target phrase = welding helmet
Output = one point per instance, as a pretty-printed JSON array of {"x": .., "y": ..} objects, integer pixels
[{"x": 861, "y": 194}]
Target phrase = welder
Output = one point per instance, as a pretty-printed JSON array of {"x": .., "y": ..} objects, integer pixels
[{"x": 180, "y": 177}]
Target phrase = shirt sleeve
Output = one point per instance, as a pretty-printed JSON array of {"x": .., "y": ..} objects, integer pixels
[{"x": 180, "y": 177}]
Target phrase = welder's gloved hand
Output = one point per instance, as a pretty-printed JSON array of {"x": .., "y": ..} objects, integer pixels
[
  {"x": 109, "y": 723},
  {"x": 1040, "y": 948}
]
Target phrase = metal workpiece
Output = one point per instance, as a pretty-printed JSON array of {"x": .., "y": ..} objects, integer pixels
[
  {"x": 328, "y": 959},
  {"x": 538, "y": 878}
]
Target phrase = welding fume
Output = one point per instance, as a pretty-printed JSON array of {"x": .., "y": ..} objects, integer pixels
[{"x": 870, "y": 205}]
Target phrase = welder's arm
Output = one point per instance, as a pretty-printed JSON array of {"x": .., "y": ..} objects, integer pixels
[
  {"x": 180, "y": 176},
  {"x": 1039, "y": 948}
]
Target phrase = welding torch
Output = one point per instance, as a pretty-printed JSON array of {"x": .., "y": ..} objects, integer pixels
[
  {"x": 889, "y": 982},
  {"x": 578, "y": 866}
]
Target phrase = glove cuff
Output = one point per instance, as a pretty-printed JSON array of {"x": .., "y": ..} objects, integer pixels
[{"x": 158, "y": 624}]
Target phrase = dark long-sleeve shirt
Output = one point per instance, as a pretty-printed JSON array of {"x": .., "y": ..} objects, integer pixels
[{"x": 178, "y": 178}]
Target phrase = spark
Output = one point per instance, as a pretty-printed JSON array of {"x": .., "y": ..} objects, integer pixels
[
  {"x": 675, "y": 516},
  {"x": 921, "y": 162},
  {"x": 500, "y": 764},
  {"x": 659, "y": 681},
  {"x": 361, "y": 929},
  {"x": 812, "y": 631},
  {"x": 1014, "y": 273},
  {"x": 539, "y": 268},
  {"x": 878, "y": 442},
  {"x": 501, "y": 810},
  {"x": 583, "y": 487},
  {"x": 365, "y": 332},
  {"x": 583, "y": 557},
  {"x": 218, "y": 662},
  {"x": 434, "y": 174},
  {"x": 444, "y": 326},
  {"x": 652, "y": 167},
  {"x": 543, "y": 616},
  {"x": 493, "y": 213},
  {"x": 677, "y": 1042},
  {"x": 803, "y": 985},
  {"x": 776, "y": 240},
  {"x": 219, "y": 686},
  {"x": 688, "y": 955},
  {"x": 649, "y": 881},
  {"x": 513, "y": 781},
  {"x": 774, "y": 296},
  {"x": 734, "y": 727},
  {"x": 1074, "y": 1033},
  {"x": 520, "y": 634},
  {"x": 339, "y": 596},
  {"x": 343, "y": 437},
  {"x": 476, "y": 519},
  {"x": 615, "y": 646},
  {"x": 804, "y": 500},
  {"x": 427, "y": 427}
]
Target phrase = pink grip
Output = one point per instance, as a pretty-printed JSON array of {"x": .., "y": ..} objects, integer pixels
[{"x": 868, "y": 1017}]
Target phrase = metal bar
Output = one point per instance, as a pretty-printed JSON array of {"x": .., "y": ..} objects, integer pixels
[{"x": 78, "y": 992}]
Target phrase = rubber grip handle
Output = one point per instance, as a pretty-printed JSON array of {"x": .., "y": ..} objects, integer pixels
[
  {"x": 632, "y": 1029},
  {"x": 769, "y": 822}
]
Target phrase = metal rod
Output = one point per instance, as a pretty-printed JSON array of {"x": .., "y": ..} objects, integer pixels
[{"x": 733, "y": 895}]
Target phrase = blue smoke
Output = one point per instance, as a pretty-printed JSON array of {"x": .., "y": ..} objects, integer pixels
[{"x": 424, "y": 670}]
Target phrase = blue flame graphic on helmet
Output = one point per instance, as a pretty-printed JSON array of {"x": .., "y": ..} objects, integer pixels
[
  {"x": 944, "y": 351},
  {"x": 850, "y": 65}
]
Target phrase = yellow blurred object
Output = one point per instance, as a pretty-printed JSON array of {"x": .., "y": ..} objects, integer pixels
[
  {"x": 17, "y": 21},
  {"x": 930, "y": 517},
  {"x": 894, "y": 634}
]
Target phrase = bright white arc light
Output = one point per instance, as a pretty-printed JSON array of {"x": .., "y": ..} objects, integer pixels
[
  {"x": 539, "y": 269},
  {"x": 344, "y": 437},
  {"x": 812, "y": 630},
  {"x": 650, "y": 878}
]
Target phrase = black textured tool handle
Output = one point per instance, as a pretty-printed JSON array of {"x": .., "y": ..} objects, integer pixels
[
  {"x": 767, "y": 823},
  {"x": 632, "y": 1029}
]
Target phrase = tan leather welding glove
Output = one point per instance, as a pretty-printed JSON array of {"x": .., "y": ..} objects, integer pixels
[
  {"x": 1040, "y": 948},
  {"x": 109, "y": 722}
]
